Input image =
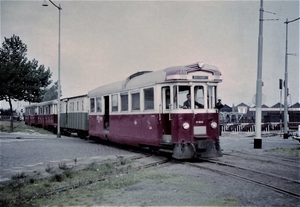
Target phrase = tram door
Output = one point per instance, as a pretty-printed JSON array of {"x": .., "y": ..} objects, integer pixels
[
  {"x": 106, "y": 113},
  {"x": 166, "y": 115}
]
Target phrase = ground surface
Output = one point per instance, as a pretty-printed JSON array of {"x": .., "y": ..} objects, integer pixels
[{"x": 166, "y": 185}]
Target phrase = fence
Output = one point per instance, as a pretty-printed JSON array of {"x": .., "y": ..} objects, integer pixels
[{"x": 250, "y": 127}]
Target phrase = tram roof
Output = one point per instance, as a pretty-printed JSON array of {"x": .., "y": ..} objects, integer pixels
[
  {"x": 41, "y": 103},
  {"x": 147, "y": 78}
]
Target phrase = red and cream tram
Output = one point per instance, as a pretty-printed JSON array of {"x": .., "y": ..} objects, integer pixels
[{"x": 150, "y": 109}]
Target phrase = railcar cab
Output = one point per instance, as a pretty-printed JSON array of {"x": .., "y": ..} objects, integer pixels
[{"x": 190, "y": 111}]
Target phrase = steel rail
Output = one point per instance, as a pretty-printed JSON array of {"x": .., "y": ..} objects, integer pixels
[
  {"x": 266, "y": 158},
  {"x": 252, "y": 170},
  {"x": 297, "y": 195}
]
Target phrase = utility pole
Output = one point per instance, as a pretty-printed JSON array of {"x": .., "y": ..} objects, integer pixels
[
  {"x": 280, "y": 114},
  {"x": 259, "y": 83},
  {"x": 286, "y": 134}
]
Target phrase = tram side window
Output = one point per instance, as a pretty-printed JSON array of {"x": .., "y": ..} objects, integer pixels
[
  {"x": 114, "y": 102},
  {"x": 168, "y": 98},
  {"x": 175, "y": 103},
  {"x": 124, "y": 102},
  {"x": 149, "y": 98},
  {"x": 98, "y": 104},
  {"x": 71, "y": 108},
  {"x": 211, "y": 96},
  {"x": 92, "y": 101},
  {"x": 135, "y": 101}
]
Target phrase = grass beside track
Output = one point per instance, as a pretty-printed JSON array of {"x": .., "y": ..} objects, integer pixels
[
  {"x": 21, "y": 127},
  {"x": 294, "y": 151},
  {"x": 30, "y": 191}
]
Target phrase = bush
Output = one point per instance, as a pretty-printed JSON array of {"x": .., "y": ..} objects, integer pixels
[{"x": 58, "y": 178}]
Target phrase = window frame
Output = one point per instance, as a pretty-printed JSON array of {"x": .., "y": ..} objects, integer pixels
[
  {"x": 92, "y": 105},
  {"x": 152, "y": 101},
  {"x": 126, "y": 109},
  {"x": 135, "y": 95}
]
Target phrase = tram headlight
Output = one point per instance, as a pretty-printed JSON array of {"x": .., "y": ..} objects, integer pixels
[
  {"x": 213, "y": 125},
  {"x": 185, "y": 125}
]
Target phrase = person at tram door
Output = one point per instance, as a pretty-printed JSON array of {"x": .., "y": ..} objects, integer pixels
[
  {"x": 219, "y": 105},
  {"x": 187, "y": 103}
]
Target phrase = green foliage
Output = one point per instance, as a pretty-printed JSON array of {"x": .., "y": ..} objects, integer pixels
[
  {"x": 68, "y": 173},
  {"x": 294, "y": 151},
  {"x": 49, "y": 168},
  {"x": 6, "y": 112},
  {"x": 20, "y": 78},
  {"x": 58, "y": 178},
  {"x": 51, "y": 93},
  {"x": 21, "y": 127},
  {"x": 18, "y": 176},
  {"x": 63, "y": 166}
]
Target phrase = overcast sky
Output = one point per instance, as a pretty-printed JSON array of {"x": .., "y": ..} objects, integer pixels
[{"x": 106, "y": 41}]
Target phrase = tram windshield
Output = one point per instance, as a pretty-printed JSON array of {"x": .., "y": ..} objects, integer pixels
[{"x": 194, "y": 97}]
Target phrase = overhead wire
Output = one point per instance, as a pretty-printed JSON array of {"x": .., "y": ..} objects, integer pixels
[{"x": 280, "y": 15}]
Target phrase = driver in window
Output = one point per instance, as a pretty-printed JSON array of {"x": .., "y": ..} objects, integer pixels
[{"x": 187, "y": 103}]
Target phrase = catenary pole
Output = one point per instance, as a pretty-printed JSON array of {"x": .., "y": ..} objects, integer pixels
[
  {"x": 259, "y": 83},
  {"x": 286, "y": 93}
]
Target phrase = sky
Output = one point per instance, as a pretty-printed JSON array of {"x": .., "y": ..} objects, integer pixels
[{"x": 106, "y": 41}]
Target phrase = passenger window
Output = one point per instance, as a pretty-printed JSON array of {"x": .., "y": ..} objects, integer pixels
[
  {"x": 135, "y": 101},
  {"x": 211, "y": 96},
  {"x": 149, "y": 98},
  {"x": 98, "y": 104},
  {"x": 167, "y": 98},
  {"x": 124, "y": 102},
  {"x": 114, "y": 102},
  {"x": 92, "y": 101},
  {"x": 71, "y": 106}
]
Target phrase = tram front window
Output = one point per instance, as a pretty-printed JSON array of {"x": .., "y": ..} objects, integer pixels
[
  {"x": 199, "y": 97},
  {"x": 189, "y": 97}
]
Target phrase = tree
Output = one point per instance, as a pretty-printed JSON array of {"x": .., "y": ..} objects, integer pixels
[
  {"x": 20, "y": 79},
  {"x": 52, "y": 92}
]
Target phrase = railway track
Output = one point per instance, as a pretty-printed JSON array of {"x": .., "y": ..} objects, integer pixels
[
  {"x": 282, "y": 184},
  {"x": 289, "y": 162}
]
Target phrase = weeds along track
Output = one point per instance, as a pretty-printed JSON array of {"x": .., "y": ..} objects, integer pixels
[
  {"x": 135, "y": 164},
  {"x": 120, "y": 167},
  {"x": 266, "y": 173}
]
